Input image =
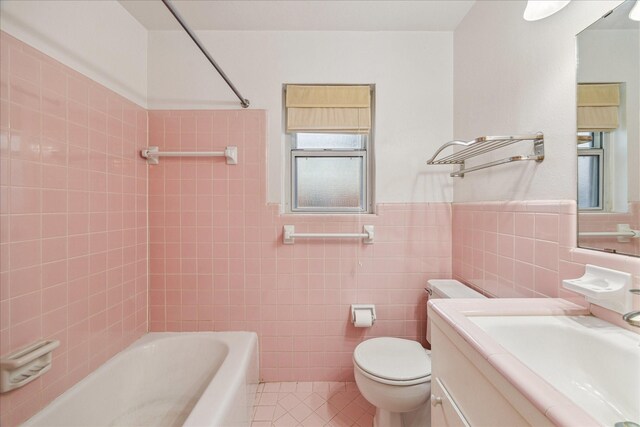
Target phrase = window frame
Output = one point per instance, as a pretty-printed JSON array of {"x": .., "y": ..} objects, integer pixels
[
  {"x": 296, "y": 153},
  {"x": 368, "y": 164}
]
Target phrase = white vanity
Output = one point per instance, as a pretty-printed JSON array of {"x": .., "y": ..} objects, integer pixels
[{"x": 520, "y": 362}]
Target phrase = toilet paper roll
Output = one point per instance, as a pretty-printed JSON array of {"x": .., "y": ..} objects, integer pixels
[{"x": 363, "y": 319}]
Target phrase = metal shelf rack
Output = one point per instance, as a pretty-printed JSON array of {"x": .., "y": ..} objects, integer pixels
[{"x": 485, "y": 144}]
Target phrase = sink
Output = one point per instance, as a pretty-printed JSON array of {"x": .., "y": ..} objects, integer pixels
[{"x": 592, "y": 362}]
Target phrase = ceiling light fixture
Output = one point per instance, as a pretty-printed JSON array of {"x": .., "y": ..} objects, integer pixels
[
  {"x": 540, "y": 9},
  {"x": 635, "y": 12}
]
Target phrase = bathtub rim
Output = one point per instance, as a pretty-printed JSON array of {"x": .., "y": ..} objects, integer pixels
[
  {"x": 242, "y": 347},
  {"x": 212, "y": 406}
]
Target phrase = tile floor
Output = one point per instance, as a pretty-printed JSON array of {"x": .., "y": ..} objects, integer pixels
[{"x": 311, "y": 404}]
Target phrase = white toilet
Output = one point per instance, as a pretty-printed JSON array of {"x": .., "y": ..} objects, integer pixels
[{"x": 394, "y": 374}]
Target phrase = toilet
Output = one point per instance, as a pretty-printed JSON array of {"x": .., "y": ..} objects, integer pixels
[{"x": 394, "y": 374}]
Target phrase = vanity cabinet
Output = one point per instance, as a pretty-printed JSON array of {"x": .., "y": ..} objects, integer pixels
[
  {"x": 468, "y": 391},
  {"x": 445, "y": 411}
]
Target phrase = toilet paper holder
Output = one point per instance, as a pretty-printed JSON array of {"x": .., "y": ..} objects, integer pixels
[{"x": 366, "y": 307}]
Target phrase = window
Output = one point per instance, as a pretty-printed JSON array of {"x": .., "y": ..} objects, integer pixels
[
  {"x": 329, "y": 143},
  {"x": 601, "y": 147},
  {"x": 591, "y": 170}
]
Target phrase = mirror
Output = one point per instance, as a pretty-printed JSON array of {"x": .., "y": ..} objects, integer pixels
[{"x": 608, "y": 133}]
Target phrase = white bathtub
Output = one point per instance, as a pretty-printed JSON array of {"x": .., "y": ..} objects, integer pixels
[{"x": 165, "y": 379}]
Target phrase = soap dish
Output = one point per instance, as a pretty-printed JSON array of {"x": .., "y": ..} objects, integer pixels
[
  {"x": 23, "y": 366},
  {"x": 603, "y": 287}
]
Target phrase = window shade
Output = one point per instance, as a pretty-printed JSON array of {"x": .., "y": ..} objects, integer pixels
[
  {"x": 328, "y": 108},
  {"x": 598, "y": 106}
]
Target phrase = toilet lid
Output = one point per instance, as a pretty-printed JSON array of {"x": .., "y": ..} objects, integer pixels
[{"x": 393, "y": 359}]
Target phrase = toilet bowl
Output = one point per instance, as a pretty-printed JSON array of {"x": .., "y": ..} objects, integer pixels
[{"x": 394, "y": 374}]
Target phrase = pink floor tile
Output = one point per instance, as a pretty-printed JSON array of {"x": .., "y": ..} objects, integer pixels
[
  {"x": 301, "y": 412},
  {"x": 285, "y": 421},
  {"x": 268, "y": 399},
  {"x": 322, "y": 404},
  {"x": 314, "y": 401},
  {"x": 289, "y": 402},
  {"x": 263, "y": 413},
  {"x": 313, "y": 420}
]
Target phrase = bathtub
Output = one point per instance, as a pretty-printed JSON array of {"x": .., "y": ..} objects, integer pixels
[{"x": 165, "y": 379}]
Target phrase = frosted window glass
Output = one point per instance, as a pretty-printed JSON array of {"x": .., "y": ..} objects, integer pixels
[
  {"x": 588, "y": 182},
  {"x": 329, "y": 182},
  {"x": 329, "y": 141}
]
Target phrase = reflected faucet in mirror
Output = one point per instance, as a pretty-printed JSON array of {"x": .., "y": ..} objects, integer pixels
[
  {"x": 608, "y": 132},
  {"x": 633, "y": 317}
]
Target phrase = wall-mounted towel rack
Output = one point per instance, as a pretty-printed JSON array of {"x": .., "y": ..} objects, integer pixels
[
  {"x": 623, "y": 232},
  {"x": 631, "y": 233},
  {"x": 485, "y": 144},
  {"x": 153, "y": 154},
  {"x": 289, "y": 235}
]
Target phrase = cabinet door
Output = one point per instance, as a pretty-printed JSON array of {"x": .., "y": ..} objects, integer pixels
[{"x": 444, "y": 411}]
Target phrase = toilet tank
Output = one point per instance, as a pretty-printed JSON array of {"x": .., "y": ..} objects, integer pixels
[
  {"x": 447, "y": 288},
  {"x": 450, "y": 289}
]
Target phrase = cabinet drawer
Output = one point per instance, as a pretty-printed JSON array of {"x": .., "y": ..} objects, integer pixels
[{"x": 444, "y": 411}]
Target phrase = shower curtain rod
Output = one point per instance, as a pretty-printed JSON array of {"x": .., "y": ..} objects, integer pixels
[{"x": 243, "y": 101}]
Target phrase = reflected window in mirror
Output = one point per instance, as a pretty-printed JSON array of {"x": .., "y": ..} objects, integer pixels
[
  {"x": 590, "y": 171},
  {"x": 602, "y": 147}
]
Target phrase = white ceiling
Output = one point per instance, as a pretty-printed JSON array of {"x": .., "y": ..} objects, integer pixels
[{"x": 303, "y": 15}]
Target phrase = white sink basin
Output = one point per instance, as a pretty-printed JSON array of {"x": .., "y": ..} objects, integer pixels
[{"x": 592, "y": 362}]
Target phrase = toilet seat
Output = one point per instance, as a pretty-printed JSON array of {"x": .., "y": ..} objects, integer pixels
[{"x": 393, "y": 361}]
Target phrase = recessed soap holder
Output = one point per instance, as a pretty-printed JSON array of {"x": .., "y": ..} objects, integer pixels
[
  {"x": 23, "y": 366},
  {"x": 603, "y": 287}
]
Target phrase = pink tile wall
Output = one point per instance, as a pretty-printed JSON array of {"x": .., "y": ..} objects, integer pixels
[
  {"x": 217, "y": 261},
  {"x": 73, "y": 243},
  {"x": 609, "y": 222},
  {"x": 525, "y": 249}
]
